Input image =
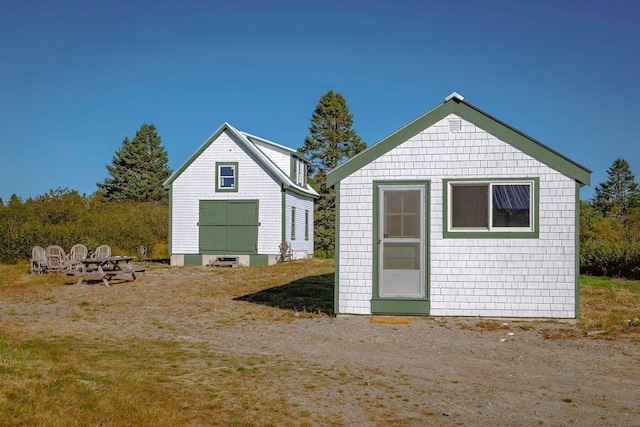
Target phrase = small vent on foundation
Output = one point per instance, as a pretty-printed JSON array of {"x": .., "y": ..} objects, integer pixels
[{"x": 455, "y": 125}]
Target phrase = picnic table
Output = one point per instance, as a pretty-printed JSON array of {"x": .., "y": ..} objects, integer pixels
[{"x": 105, "y": 268}]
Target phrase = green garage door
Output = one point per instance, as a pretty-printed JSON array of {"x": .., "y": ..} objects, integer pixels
[{"x": 228, "y": 226}]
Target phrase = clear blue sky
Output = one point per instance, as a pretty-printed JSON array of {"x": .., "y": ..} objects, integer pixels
[{"x": 79, "y": 76}]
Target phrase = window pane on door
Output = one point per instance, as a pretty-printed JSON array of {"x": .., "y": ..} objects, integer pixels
[
  {"x": 401, "y": 256},
  {"x": 402, "y": 213},
  {"x": 393, "y": 202}
]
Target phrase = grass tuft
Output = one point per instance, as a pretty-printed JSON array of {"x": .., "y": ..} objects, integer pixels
[{"x": 609, "y": 306}]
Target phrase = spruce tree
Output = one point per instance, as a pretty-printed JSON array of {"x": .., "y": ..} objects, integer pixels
[
  {"x": 619, "y": 194},
  {"x": 138, "y": 169},
  {"x": 331, "y": 142}
]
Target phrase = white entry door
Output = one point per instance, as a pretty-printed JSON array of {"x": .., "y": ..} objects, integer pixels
[{"x": 402, "y": 241}]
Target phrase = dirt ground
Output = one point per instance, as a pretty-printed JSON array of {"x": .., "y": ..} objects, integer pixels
[{"x": 377, "y": 371}]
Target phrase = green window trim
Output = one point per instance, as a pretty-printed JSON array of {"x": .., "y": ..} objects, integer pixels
[
  {"x": 497, "y": 233},
  {"x": 219, "y": 188},
  {"x": 293, "y": 223}
]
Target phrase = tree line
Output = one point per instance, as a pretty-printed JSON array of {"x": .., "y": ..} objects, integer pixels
[
  {"x": 610, "y": 225},
  {"x": 130, "y": 206},
  {"x": 128, "y": 210},
  {"x": 63, "y": 217}
]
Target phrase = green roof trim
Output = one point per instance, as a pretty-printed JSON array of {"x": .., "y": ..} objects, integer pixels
[
  {"x": 469, "y": 112},
  {"x": 389, "y": 143},
  {"x": 195, "y": 155},
  {"x": 246, "y": 141}
]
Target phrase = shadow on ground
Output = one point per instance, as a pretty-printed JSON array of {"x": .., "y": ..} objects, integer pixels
[{"x": 313, "y": 294}]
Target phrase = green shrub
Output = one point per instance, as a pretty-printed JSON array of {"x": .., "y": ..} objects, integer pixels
[
  {"x": 613, "y": 259},
  {"x": 65, "y": 218},
  {"x": 323, "y": 254}
]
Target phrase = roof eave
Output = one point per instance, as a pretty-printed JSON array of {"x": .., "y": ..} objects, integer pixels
[
  {"x": 244, "y": 138},
  {"x": 389, "y": 142},
  {"x": 289, "y": 150},
  {"x": 455, "y": 104},
  {"x": 268, "y": 163},
  {"x": 195, "y": 155}
]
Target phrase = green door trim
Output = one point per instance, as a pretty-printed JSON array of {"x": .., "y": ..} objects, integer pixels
[
  {"x": 400, "y": 305},
  {"x": 577, "y": 252},
  {"x": 336, "y": 284},
  {"x": 170, "y": 248}
]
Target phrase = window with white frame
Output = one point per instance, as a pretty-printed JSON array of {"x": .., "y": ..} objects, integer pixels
[
  {"x": 491, "y": 206},
  {"x": 300, "y": 171},
  {"x": 293, "y": 223},
  {"x": 227, "y": 176}
]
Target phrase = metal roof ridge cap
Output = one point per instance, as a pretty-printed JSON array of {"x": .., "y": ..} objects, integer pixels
[
  {"x": 455, "y": 96},
  {"x": 265, "y": 159},
  {"x": 267, "y": 141}
]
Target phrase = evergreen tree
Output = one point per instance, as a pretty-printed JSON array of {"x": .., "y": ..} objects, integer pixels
[
  {"x": 618, "y": 195},
  {"x": 138, "y": 169},
  {"x": 331, "y": 142}
]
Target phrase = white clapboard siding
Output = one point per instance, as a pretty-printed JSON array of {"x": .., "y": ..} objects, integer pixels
[
  {"x": 299, "y": 245},
  {"x": 468, "y": 277},
  {"x": 197, "y": 182}
]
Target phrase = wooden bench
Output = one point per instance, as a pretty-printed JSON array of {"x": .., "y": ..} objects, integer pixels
[
  {"x": 105, "y": 268},
  {"x": 96, "y": 273},
  {"x": 229, "y": 261}
]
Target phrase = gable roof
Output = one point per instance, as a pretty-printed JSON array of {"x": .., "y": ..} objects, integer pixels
[
  {"x": 456, "y": 104},
  {"x": 246, "y": 142},
  {"x": 259, "y": 140}
]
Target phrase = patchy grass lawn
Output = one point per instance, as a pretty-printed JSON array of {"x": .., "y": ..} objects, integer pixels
[
  {"x": 609, "y": 307},
  {"x": 51, "y": 377}
]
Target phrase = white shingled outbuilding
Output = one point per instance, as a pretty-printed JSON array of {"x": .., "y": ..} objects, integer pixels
[{"x": 458, "y": 214}]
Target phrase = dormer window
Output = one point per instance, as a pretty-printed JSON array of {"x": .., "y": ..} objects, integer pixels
[{"x": 299, "y": 172}]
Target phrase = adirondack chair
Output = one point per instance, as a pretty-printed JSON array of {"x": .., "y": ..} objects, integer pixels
[
  {"x": 142, "y": 252},
  {"x": 286, "y": 253},
  {"x": 102, "y": 251},
  {"x": 76, "y": 254},
  {"x": 56, "y": 258},
  {"x": 39, "y": 262}
]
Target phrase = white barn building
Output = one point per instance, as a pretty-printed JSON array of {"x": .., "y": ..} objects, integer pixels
[{"x": 239, "y": 197}]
